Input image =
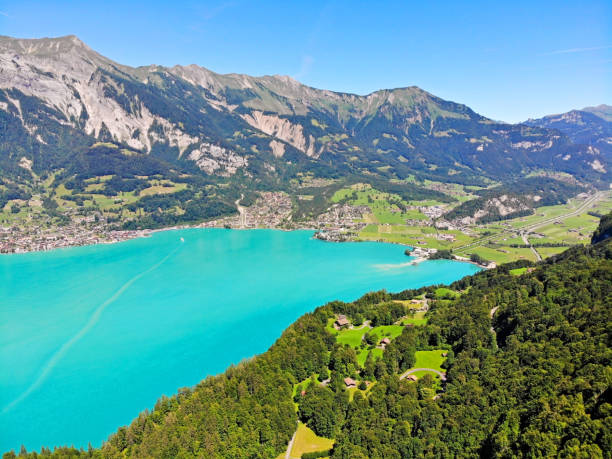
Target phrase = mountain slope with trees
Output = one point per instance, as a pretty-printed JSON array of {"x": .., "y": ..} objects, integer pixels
[
  {"x": 590, "y": 126},
  {"x": 58, "y": 96}
]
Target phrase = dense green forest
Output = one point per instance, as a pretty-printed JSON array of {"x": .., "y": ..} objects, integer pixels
[
  {"x": 527, "y": 365},
  {"x": 604, "y": 230}
]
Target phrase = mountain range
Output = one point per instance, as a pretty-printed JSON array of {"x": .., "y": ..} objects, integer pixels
[
  {"x": 58, "y": 98},
  {"x": 590, "y": 126}
]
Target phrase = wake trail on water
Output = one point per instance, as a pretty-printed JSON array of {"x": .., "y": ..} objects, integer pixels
[{"x": 93, "y": 320}]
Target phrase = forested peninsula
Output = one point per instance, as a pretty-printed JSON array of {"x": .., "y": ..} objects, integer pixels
[{"x": 510, "y": 362}]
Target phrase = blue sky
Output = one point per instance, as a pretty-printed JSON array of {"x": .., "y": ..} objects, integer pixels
[{"x": 506, "y": 60}]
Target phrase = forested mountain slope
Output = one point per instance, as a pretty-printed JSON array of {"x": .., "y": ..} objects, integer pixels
[
  {"x": 58, "y": 97},
  {"x": 527, "y": 365}
]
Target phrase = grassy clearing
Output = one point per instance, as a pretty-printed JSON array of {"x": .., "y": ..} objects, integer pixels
[
  {"x": 409, "y": 304},
  {"x": 518, "y": 271},
  {"x": 161, "y": 189},
  {"x": 413, "y": 236},
  {"x": 351, "y": 337},
  {"x": 387, "y": 331},
  {"x": 445, "y": 293},
  {"x": 306, "y": 441},
  {"x": 546, "y": 252},
  {"x": 543, "y": 212},
  {"x": 330, "y": 326},
  {"x": 513, "y": 240},
  {"x": 363, "y": 355},
  {"x": 501, "y": 254},
  {"x": 417, "y": 319},
  {"x": 420, "y": 374},
  {"x": 430, "y": 359}
]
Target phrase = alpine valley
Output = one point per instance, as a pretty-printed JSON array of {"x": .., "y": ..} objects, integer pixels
[
  {"x": 103, "y": 150},
  {"x": 508, "y": 361}
]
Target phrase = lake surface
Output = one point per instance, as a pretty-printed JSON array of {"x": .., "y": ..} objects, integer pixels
[{"x": 91, "y": 336}]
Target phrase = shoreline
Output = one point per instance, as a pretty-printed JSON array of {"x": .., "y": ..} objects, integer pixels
[
  {"x": 115, "y": 237},
  {"x": 127, "y": 235}
]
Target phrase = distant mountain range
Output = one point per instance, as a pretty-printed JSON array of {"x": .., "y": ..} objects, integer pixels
[
  {"x": 590, "y": 126},
  {"x": 58, "y": 97}
]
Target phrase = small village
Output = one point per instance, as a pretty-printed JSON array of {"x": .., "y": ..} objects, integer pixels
[{"x": 15, "y": 240}]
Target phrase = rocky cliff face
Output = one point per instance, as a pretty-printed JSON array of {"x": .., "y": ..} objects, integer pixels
[
  {"x": 58, "y": 95},
  {"x": 590, "y": 126}
]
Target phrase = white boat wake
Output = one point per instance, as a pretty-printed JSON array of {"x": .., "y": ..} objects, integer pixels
[
  {"x": 93, "y": 319},
  {"x": 387, "y": 267}
]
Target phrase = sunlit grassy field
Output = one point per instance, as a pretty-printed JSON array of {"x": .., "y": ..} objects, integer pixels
[
  {"x": 430, "y": 359},
  {"x": 307, "y": 441},
  {"x": 351, "y": 337}
]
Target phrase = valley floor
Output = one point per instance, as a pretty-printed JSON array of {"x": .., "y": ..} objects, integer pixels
[{"x": 356, "y": 213}]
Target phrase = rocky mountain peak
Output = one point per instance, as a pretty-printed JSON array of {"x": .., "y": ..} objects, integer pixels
[
  {"x": 44, "y": 47},
  {"x": 224, "y": 122}
]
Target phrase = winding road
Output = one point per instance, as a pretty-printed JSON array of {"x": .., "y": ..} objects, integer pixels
[
  {"x": 241, "y": 211},
  {"x": 441, "y": 374},
  {"x": 529, "y": 227},
  {"x": 535, "y": 252}
]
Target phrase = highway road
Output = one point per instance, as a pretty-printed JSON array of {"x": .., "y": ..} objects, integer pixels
[{"x": 529, "y": 227}]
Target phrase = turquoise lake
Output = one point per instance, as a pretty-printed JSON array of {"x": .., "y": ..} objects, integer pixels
[{"x": 91, "y": 336}]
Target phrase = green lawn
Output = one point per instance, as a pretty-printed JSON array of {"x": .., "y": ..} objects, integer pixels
[
  {"x": 418, "y": 318},
  {"x": 411, "y": 235},
  {"x": 430, "y": 359},
  {"x": 546, "y": 252},
  {"x": 306, "y": 441},
  {"x": 158, "y": 188},
  {"x": 420, "y": 374},
  {"x": 409, "y": 304},
  {"x": 388, "y": 331},
  {"x": 330, "y": 326},
  {"x": 351, "y": 337},
  {"x": 363, "y": 355},
  {"x": 512, "y": 240},
  {"x": 500, "y": 254},
  {"x": 518, "y": 271},
  {"x": 444, "y": 292}
]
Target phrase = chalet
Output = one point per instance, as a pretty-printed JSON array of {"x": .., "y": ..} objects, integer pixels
[
  {"x": 350, "y": 382},
  {"x": 411, "y": 378},
  {"x": 385, "y": 341},
  {"x": 342, "y": 321},
  {"x": 444, "y": 354}
]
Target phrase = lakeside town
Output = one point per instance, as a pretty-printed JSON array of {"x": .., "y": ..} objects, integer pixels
[
  {"x": 422, "y": 227},
  {"x": 271, "y": 210}
]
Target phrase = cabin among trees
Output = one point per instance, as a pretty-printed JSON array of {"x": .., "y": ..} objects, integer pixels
[{"x": 342, "y": 321}]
